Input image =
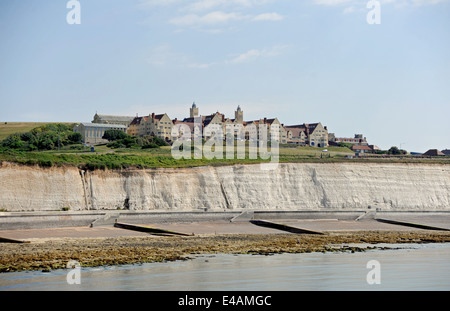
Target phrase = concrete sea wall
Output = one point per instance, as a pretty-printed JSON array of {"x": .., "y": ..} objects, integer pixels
[{"x": 299, "y": 186}]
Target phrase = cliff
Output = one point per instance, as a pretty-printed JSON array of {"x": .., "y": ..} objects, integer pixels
[{"x": 299, "y": 186}]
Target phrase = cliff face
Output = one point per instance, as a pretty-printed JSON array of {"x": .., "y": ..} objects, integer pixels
[
  {"x": 300, "y": 186},
  {"x": 24, "y": 188}
]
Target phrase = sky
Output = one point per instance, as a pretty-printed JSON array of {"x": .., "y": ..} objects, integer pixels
[{"x": 301, "y": 61}]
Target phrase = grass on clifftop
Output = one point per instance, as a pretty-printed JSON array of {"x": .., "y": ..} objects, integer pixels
[
  {"x": 8, "y": 128},
  {"x": 105, "y": 157}
]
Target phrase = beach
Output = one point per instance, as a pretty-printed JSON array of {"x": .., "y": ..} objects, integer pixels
[{"x": 51, "y": 249}]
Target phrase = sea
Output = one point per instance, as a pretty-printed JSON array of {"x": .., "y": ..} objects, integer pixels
[{"x": 400, "y": 267}]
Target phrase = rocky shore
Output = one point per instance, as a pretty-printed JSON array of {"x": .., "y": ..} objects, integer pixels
[{"x": 48, "y": 254}]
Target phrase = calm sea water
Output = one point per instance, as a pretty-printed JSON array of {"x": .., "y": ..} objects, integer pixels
[{"x": 416, "y": 267}]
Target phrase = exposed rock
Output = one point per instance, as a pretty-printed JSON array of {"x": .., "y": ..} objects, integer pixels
[{"x": 293, "y": 186}]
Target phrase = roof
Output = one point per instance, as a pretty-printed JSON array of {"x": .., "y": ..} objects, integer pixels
[
  {"x": 106, "y": 117},
  {"x": 138, "y": 120},
  {"x": 262, "y": 121},
  {"x": 159, "y": 116},
  {"x": 446, "y": 151},
  {"x": 253, "y": 121},
  {"x": 309, "y": 127},
  {"x": 207, "y": 119},
  {"x": 269, "y": 121},
  {"x": 312, "y": 125},
  {"x": 104, "y": 125},
  {"x": 296, "y": 126},
  {"x": 194, "y": 119},
  {"x": 433, "y": 152},
  {"x": 191, "y": 125},
  {"x": 296, "y": 131}
]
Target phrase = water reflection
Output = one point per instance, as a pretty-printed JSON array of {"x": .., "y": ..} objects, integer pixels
[{"x": 420, "y": 268}]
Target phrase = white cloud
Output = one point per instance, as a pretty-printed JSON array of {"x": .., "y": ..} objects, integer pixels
[
  {"x": 205, "y": 5},
  {"x": 220, "y": 17},
  {"x": 331, "y": 2},
  {"x": 201, "y": 13},
  {"x": 350, "y": 9},
  {"x": 255, "y": 54},
  {"x": 425, "y": 2},
  {"x": 163, "y": 54},
  {"x": 352, "y": 6},
  {"x": 359, "y": 2},
  {"x": 201, "y": 66},
  {"x": 153, "y": 3},
  {"x": 268, "y": 17},
  {"x": 208, "y": 19},
  {"x": 249, "y": 55}
]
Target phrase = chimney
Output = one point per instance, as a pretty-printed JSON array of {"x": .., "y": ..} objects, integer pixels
[
  {"x": 265, "y": 120},
  {"x": 153, "y": 115}
]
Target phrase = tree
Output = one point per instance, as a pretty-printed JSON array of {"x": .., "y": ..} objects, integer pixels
[
  {"x": 159, "y": 141},
  {"x": 112, "y": 135},
  {"x": 395, "y": 151},
  {"x": 49, "y": 136},
  {"x": 342, "y": 144},
  {"x": 75, "y": 137},
  {"x": 13, "y": 141}
]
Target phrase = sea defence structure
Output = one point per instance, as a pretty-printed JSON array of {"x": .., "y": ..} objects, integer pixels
[{"x": 291, "y": 187}]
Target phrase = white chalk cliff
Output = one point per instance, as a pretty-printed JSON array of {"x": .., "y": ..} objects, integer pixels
[{"x": 293, "y": 186}]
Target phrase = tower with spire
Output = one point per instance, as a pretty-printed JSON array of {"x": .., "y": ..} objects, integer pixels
[
  {"x": 239, "y": 115},
  {"x": 194, "y": 111}
]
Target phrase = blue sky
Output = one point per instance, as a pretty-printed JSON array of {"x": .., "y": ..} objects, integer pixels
[{"x": 299, "y": 61}]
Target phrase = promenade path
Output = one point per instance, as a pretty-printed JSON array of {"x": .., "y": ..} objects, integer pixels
[{"x": 237, "y": 227}]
